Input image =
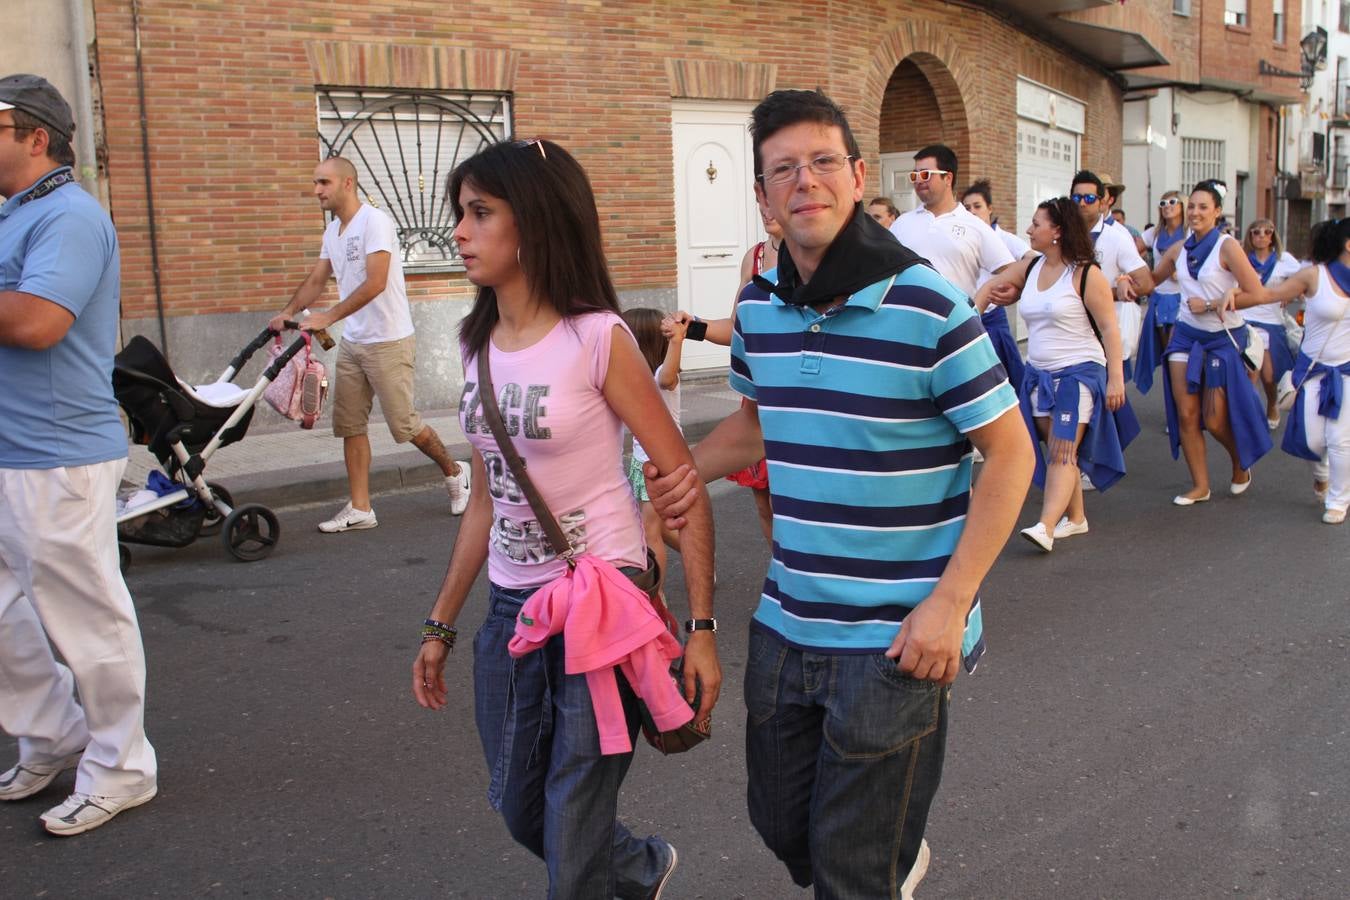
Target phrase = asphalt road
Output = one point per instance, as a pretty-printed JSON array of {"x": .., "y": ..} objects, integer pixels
[{"x": 1163, "y": 713}]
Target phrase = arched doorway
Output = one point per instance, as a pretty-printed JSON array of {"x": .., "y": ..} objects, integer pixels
[{"x": 921, "y": 105}]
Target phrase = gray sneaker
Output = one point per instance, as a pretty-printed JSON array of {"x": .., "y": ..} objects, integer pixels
[
  {"x": 26, "y": 779},
  {"x": 457, "y": 486},
  {"x": 349, "y": 519}
]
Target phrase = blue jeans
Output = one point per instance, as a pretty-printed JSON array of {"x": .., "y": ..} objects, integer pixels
[
  {"x": 844, "y": 756},
  {"x": 558, "y": 794}
]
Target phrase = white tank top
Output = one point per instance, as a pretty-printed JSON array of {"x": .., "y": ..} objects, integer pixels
[
  {"x": 1272, "y": 313},
  {"x": 1213, "y": 283},
  {"x": 1059, "y": 333},
  {"x": 1323, "y": 338}
]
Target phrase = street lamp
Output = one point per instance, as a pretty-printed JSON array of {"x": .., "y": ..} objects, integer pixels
[{"x": 1313, "y": 56}]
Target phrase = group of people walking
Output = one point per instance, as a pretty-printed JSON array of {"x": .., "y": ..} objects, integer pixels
[{"x": 876, "y": 362}]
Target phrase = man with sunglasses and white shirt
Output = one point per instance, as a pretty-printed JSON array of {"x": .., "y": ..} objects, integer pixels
[
  {"x": 1120, "y": 261},
  {"x": 955, "y": 241}
]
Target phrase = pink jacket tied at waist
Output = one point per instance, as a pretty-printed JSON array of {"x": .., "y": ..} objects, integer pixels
[{"x": 606, "y": 621}]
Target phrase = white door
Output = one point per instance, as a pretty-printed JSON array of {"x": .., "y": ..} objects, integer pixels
[
  {"x": 1047, "y": 159},
  {"x": 895, "y": 169},
  {"x": 716, "y": 218}
]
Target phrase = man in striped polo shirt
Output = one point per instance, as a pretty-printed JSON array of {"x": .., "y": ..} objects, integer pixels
[{"x": 869, "y": 377}]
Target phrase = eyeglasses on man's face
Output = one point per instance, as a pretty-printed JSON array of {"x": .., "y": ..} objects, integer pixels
[
  {"x": 1089, "y": 199},
  {"x": 922, "y": 176},
  {"x": 826, "y": 164},
  {"x": 1169, "y": 201}
]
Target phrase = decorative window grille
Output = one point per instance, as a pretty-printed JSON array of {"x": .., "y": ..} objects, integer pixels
[
  {"x": 1201, "y": 159},
  {"x": 404, "y": 144},
  {"x": 1235, "y": 12}
]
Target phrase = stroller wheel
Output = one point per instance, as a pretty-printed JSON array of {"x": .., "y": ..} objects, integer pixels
[
  {"x": 211, "y": 524},
  {"x": 251, "y": 532},
  {"x": 123, "y": 558}
]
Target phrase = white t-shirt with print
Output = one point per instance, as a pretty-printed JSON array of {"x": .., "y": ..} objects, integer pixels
[
  {"x": 958, "y": 243},
  {"x": 1115, "y": 250},
  {"x": 386, "y": 317}
]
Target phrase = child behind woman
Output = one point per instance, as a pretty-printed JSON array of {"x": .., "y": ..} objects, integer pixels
[{"x": 663, "y": 357}]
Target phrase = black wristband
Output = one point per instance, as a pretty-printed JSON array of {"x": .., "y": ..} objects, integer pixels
[{"x": 692, "y": 625}]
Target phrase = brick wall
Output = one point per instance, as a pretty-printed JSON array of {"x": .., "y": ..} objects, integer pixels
[{"x": 230, "y": 95}]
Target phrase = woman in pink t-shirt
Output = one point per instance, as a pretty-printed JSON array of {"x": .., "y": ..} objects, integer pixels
[{"x": 568, "y": 376}]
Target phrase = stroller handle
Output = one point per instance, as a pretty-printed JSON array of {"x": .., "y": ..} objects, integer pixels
[{"x": 267, "y": 334}]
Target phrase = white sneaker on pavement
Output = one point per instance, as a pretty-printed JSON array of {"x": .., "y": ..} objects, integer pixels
[
  {"x": 1039, "y": 536},
  {"x": 457, "y": 486},
  {"x": 1065, "y": 528},
  {"x": 349, "y": 519},
  {"x": 916, "y": 872},
  {"x": 26, "y": 779},
  {"x": 1333, "y": 516},
  {"x": 85, "y": 812},
  {"x": 1086, "y": 482}
]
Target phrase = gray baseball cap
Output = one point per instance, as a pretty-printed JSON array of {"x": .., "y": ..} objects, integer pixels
[{"x": 36, "y": 96}]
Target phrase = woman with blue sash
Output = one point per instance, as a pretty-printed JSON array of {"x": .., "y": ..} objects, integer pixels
[
  {"x": 978, "y": 200},
  {"x": 1073, "y": 390},
  {"x": 1319, "y": 421},
  {"x": 1208, "y": 386},
  {"x": 1266, "y": 254},
  {"x": 1165, "y": 301}
]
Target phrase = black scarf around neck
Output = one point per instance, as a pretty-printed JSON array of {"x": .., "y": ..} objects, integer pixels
[{"x": 863, "y": 253}]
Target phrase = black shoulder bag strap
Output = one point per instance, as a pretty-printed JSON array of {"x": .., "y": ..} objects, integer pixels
[
  {"x": 1082, "y": 295},
  {"x": 487, "y": 395}
]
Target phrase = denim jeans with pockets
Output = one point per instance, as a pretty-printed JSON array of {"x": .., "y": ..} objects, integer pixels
[
  {"x": 558, "y": 794},
  {"x": 844, "y": 755}
]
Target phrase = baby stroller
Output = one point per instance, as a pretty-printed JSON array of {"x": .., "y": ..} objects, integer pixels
[{"x": 183, "y": 427}]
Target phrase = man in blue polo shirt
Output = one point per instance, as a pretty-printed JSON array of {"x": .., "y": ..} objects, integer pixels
[
  {"x": 62, "y": 452},
  {"x": 868, "y": 378}
]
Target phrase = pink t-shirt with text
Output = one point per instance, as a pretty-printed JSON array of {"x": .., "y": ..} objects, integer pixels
[{"x": 551, "y": 400}]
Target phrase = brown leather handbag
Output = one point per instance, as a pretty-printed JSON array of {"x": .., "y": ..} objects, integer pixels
[{"x": 678, "y": 740}]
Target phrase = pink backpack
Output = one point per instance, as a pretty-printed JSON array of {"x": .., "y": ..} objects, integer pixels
[{"x": 300, "y": 388}]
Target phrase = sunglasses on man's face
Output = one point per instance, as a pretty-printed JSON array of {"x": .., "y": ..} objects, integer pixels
[
  {"x": 919, "y": 176},
  {"x": 1089, "y": 199}
]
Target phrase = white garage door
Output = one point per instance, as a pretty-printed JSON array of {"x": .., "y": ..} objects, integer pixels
[{"x": 1047, "y": 159}]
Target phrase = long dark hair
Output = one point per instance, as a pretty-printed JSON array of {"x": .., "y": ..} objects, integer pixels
[
  {"x": 1328, "y": 239},
  {"x": 561, "y": 252},
  {"x": 645, "y": 323},
  {"x": 1075, "y": 242}
]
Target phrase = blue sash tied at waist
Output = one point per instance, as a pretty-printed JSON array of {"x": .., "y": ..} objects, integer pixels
[
  {"x": 995, "y": 321},
  {"x": 1331, "y": 393},
  {"x": 1214, "y": 361},
  {"x": 1162, "y": 311},
  {"x": 1281, "y": 360},
  {"x": 1101, "y": 456}
]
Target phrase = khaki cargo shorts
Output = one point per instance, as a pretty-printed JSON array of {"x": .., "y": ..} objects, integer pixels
[{"x": 366, "y": 371}]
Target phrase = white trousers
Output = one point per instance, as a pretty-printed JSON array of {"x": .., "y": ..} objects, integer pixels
[
  {"x": 60, "y": 585},
  {"x": 1330, "y": 439}
]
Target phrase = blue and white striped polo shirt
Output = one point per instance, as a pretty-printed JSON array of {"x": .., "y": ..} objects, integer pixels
[{"x": 864, "y": 410}]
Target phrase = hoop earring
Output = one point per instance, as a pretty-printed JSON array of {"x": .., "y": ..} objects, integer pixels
[{"x": 518, "y": 262}]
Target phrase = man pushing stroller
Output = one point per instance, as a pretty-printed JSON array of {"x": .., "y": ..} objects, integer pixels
[{"x": 377, "y": 353}]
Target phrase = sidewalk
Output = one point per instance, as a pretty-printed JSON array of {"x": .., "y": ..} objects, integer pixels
[{"x": 280, "y": 464}]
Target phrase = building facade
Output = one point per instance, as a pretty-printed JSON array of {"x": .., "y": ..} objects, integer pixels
[
  {"x": 213, "y": 200},
  {"x": 1218, "y": 110}
]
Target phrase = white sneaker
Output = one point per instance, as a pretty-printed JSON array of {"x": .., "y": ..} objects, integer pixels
[
  {"x": 1065, "y": 528},
  {"x": 26, "y": 779},
  {"x": 1333, "y": 516},
  {"x": 1087, "y": 484},
  {"x": 1039, "y": 536},
  {"x": 85, "y": 812},
  {"x": 916, "y": 872},
  {"x": 457, "y": 486},
  {"x": 349, "y": 519}
]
